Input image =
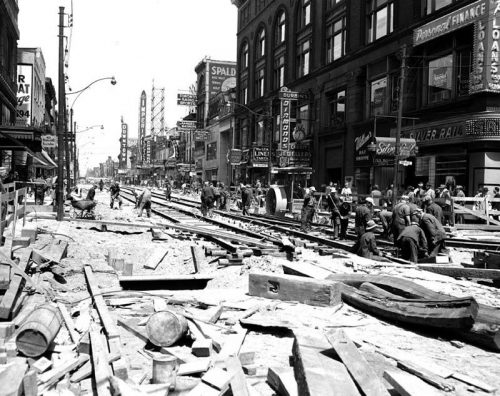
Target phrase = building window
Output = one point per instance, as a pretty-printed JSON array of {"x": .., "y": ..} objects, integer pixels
[
  {"x": 435, "y": 5},
  {"x": 281, "y": 29},
  {"x": 244, "y": 56},
  {"x": 337, "y": 109},
  {"x": 260, "y": 83},
  {"x": 211, "y": 151},
  {"x": 303, "y": 57},
  {"x": 378, "y": 96},
  {"x": 440, "y": 79},
  {"x": 464, "y": 69},
  {"x": 380, "y": 19},
  {"x": 303, "y": 120},
  {"x": 332, "y": 3},
  {"x": 244, "y": 92},
  {"x": 259, "y": 132},
  {"x": 261, "y": 44},
  {"x": 244, "y": 134},
  {"x": 335, "y": 40},
  {"x": 279, "y": 72},
  {"x": 304, "y": 17}
]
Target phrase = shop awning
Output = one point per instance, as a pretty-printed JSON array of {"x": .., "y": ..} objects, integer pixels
[{"x": 43, "y": 160}]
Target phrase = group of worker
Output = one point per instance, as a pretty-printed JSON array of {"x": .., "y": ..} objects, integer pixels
[{"x": 417, "y": 233}]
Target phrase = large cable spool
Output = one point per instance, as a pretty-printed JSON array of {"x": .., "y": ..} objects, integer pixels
[{"x": 275, "y": 200}]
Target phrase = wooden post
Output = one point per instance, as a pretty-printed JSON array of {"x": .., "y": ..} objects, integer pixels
[{"x": 487, "y": 210}]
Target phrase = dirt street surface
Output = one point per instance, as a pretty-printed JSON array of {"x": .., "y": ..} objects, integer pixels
[{"x": 269, "y": 325}]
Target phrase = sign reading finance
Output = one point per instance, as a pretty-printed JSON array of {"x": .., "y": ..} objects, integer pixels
[
  {"x": 485, "y": 74},
  {"x": 186, "y": 100}
]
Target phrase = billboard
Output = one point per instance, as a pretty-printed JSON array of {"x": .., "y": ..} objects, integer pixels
[
  {"x": 142, "y": 127},
  {"x": 24, "y": 93},
  {"x": 222, "y": 76},
  {"x": 186, "y": 99}
]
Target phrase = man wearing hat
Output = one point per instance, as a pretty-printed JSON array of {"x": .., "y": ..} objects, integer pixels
[
  {"x": 412, "y": 242},
  {"x": 400, "y": 217},
  {"x": 429, "y": 192},
  {"x": 90, "y": 193},
  {"x": 333, "y": 204},
  {"x": 433, "y": 208},
  {"x": 345, "y": 214},
  {"x": 366, "y": 246},
  {"x": 363, "y": 216},
  {"x": 434, "y": 232},
  {"x": 246, "y": 198},
  {"x": 459, "y": 193},
  {"x": 308, "y": 210},
  {"x": 446, "y": 206},
  {"x": 419, "y": 193},
  {"x": 411, "y": 194}
]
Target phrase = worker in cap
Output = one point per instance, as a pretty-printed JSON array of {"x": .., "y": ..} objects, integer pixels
[
  {"x": 433, "y": 208},
  {"x": 345, "y": 214},
  {"x": 366, "y": 246},
  {"x": 434, "y": 232},
  {"x": 363, "y": 216},
  {"x": 412, "y": 242},
  {"x": 400, "y": 217},
  {"x": 308, "y": 210}
]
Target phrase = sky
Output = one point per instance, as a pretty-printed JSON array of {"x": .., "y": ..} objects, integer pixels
[{"x": 134, "y": 41}]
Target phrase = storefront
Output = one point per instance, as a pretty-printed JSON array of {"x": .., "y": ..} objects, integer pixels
[{"x": 374, "y": 162}]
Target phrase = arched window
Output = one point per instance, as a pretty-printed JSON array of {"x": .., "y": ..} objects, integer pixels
[
  {"x": 244, "y": 56},
  {"x": 280, "y": 34},
  {"x": 261, "y": 43},
  {"x": 304, "y": 13}
]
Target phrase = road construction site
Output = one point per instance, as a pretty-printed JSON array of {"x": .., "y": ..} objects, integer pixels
[{"x": 179, "y": 304}]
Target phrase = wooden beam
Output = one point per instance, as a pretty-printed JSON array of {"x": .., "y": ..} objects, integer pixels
[
  {"x": 156, "y": 258},
  {"x": 100, "y": 364},
  {"x": 317, "y": 374},
  {"x": 8, "y": 300},
  {"x": 462, "y": 272},
  {"x": 68, "y": 320},
  {"x": 306, "y": 269},
  {"x": 282, "y": 380},
  {"x": 356, "y": 364},
  {"x": 409, "y": 385},
  {"x": 239, "y": 386},
  {"x": 108, "y": 323},
  {"x": 294, "y": 288},
  {"x": 51, "y": 377}
]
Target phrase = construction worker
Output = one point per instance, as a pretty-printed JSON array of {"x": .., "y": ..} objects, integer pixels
[
  {"x": 114, "y": 191},
  {"x": 385, "y": 216},
  {"x": 366, "y": 246},
  {"x": 144, "y": 202},
  {"x": 345, "y": 213},
  {"x": 363, "y": 216},
  {"x": 91, "y": 193},
  {"x": 308, "y": 210},
  {"x": 400, "y": 217},
  {"x": 434, "y": 232},
  {"x": 333, "y": 204},
  {"x": 207, "y": 199},
  {"x": 412, "y": 242},
  {"x": 433, "y": 208}
]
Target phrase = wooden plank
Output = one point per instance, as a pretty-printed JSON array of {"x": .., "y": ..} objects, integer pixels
[
  {"x": 306, "y": 269},
  {"x": 11, "y": 378},
  {"x": 409, "y": 385},
  {"x": 30, "y": 386},
  {"x": 195, "y": 367},
  {"x": 215, "y": 315},
  {"x": 217, "y": 378},
  {"x": 476, "y": 213},
  {"x": 175, "y": 282},
  {"x": 462, "y": 272},
  {"x": 426, "y": 375},
  {"x": 51, "y": 377},
  {"x": 317, "y": 374},
  {"x": 239, "y": 386},
  {"x": 157, "y": 256},
  {"x": 68, "y": 320},
  {"x": 294, "y": 288},
  {"x": 102, "y": 309},
  {"x": 232, "y": 345},
  {"x": 203, "y": 389},
  {"x": 100, "y": 364},
  {"x": 474, "y": 382},
  {"x": 8, "y": 300},
  {"x": 356, "y": 364},
  {"x": 282, "y": 380}
]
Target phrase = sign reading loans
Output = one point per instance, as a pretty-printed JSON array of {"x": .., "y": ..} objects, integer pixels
[{"x": 485, "y": 15}]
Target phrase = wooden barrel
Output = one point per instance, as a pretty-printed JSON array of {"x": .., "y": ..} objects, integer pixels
[
  {"x": 164, "y": 328},
  {"x": 275, "y": 200},
  {"x": 39, "y": 330}
]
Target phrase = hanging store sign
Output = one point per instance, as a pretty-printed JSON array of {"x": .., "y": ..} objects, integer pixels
[
  {"x": 235, "y": 156},
  {"x": 24, "y": 93},
  {"x": 141, "y": 149},
  {"x": 186, "y": 100},
  {"x": 386, "y": 147},
  {"x": 259, "y": 157},
  {"x": 431, "y": 134},
  {"x": 222, "y": 76},
  {"x": 187, "y": 125},
  {"x": 201, "y": 136},
  {"x": 123, "y": 146},
  {"x": 49, "y": 141},
  {"x": 361, "y": 154}
]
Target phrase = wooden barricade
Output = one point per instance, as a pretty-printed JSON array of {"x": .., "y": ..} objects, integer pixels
[
  {"x": 12, "y": 208},
  {"x": 478, "y": 208}
]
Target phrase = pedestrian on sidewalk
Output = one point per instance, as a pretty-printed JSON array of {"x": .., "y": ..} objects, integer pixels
[
  {"x": 144, "y": 201},
  {"x": 412, "y": 243},
  {"x": 308, "y": 210},
  {"x": 114, "y": 191}
]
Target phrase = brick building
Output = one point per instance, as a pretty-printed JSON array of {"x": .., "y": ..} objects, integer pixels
[{"x": 345, "y": 58}]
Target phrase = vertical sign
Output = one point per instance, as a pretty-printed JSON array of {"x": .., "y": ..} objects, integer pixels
[
  {"x": 24, "y": 93},
  {"x": 285, "y": 124},
  {"x": 123, "y": 146},
  {"x": 147, "y": 155},
  {"x": 142, "y": 127}
]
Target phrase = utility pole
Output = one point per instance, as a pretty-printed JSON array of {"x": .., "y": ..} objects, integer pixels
[
  {"x": 398, "y": 129},
  {"x": 61, "y": 122},
  {"x": 67, "y": 155}
]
